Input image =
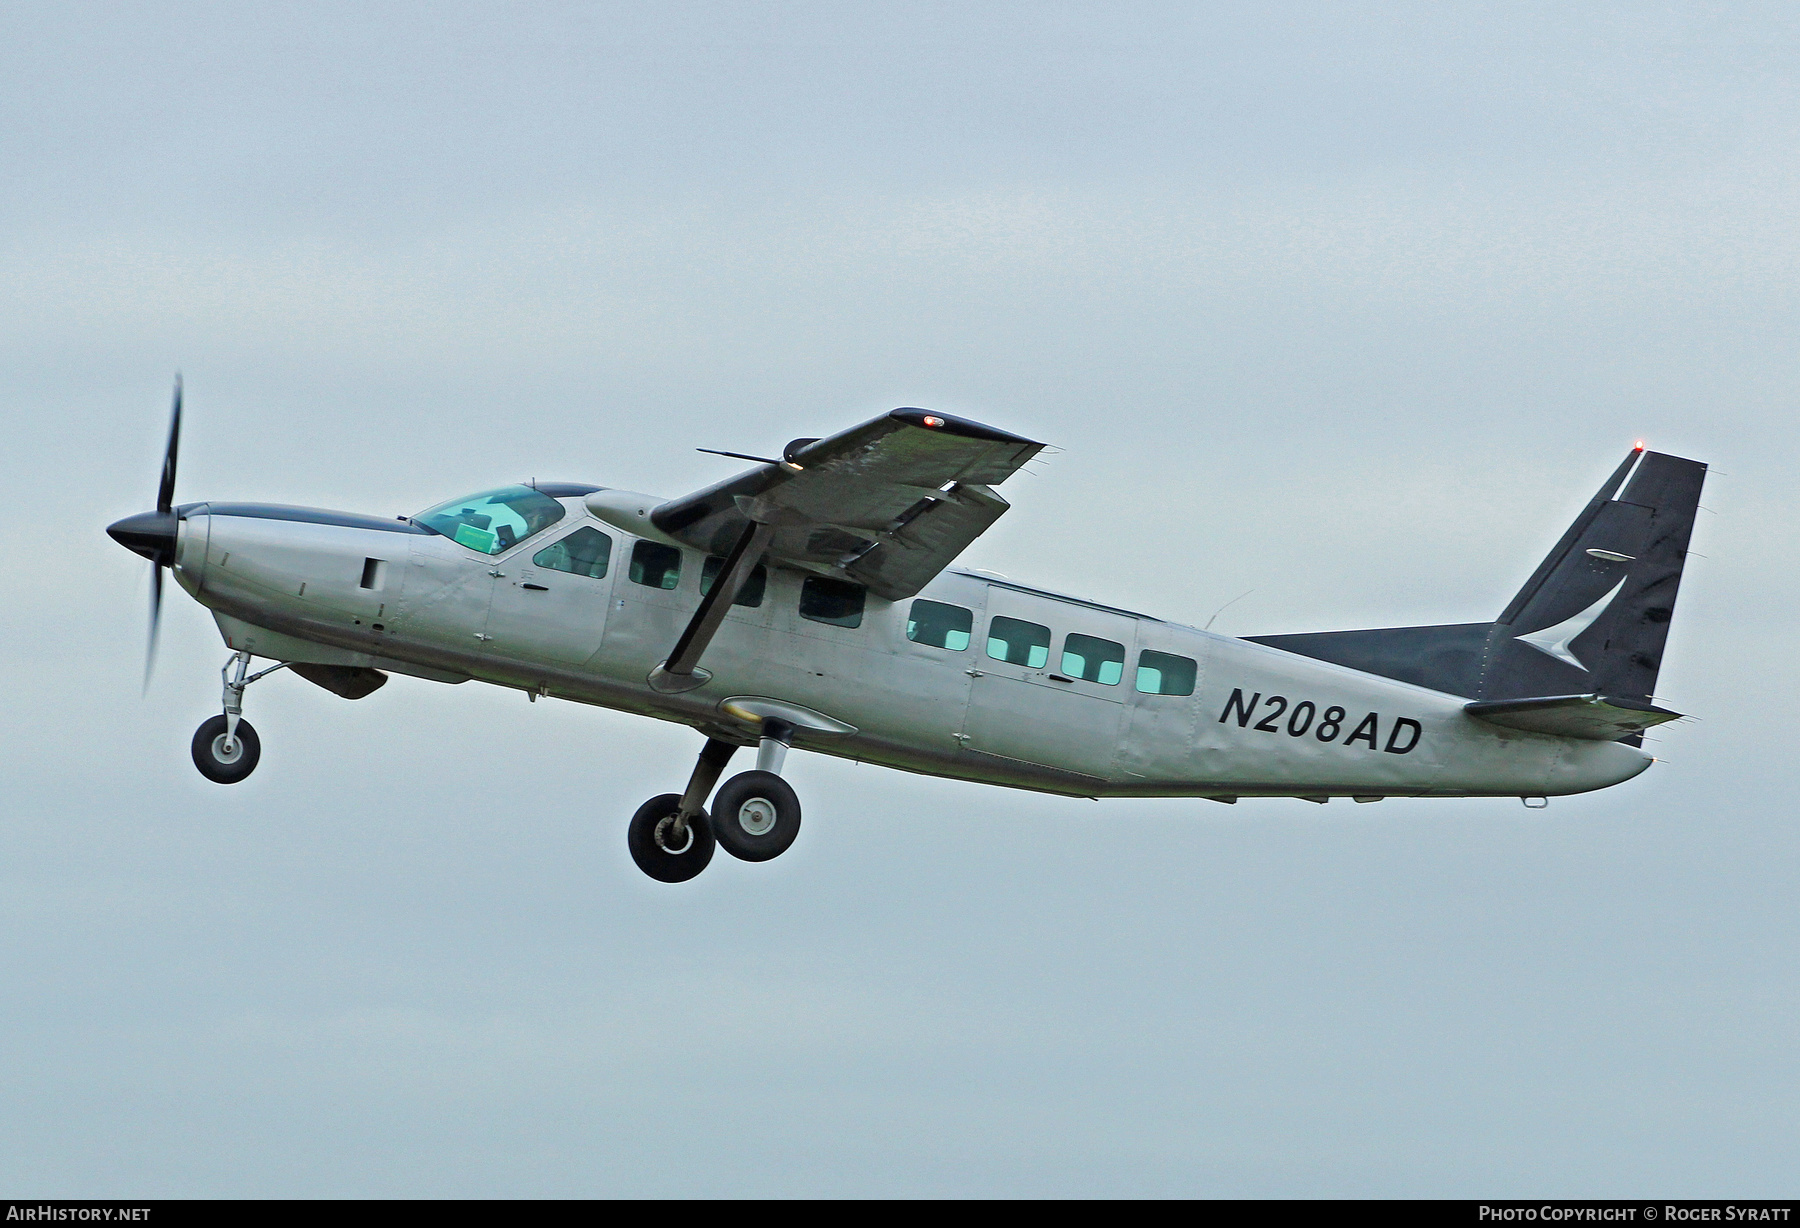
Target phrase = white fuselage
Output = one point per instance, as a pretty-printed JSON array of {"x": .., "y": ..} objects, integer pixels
[{"x": 1255, "y": 723}]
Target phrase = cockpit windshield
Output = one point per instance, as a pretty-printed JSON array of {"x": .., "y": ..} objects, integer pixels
[{"x": 495, "y": 520}]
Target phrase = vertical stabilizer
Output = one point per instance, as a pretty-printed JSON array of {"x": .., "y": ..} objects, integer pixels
[{"x": 1592, "y": 620}]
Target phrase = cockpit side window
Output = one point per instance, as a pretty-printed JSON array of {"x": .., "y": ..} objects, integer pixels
[
  {"x": 655, "y": 566},
  {"x": 585, "y": 552},
  {"x": 494, "y": 521}
]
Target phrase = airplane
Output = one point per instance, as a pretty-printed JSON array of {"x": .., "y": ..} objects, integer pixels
[{"x": 810, "y": 602}]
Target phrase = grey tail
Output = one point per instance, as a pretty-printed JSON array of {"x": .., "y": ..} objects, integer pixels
[{"x": 1592, "y": 620}]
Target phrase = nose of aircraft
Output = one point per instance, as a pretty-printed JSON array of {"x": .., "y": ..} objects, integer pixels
[{"x": 151, "y": 534}]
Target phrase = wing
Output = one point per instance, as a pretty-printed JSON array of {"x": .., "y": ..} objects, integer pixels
[{"x": 888, "y": 504}]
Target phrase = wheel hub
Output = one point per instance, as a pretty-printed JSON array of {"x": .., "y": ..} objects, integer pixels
[
  {"x": 227, "y": 750},
  {"x": 757, "y": 816},
  {"x": 664, "y": 827}
]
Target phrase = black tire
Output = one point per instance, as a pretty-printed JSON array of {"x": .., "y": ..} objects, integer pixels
[
  {"x": 756, "y": 816},
  {"x": 209, "y": 754},
  {"x": 653, "y": 857}
]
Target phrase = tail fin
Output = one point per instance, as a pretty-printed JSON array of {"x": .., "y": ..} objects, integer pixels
[
  {"x": 1595, "y": 615},
  {"x": 1592, "y": 620}
]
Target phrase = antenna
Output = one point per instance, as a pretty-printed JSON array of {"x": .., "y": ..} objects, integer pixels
[
  {"x": 1226, "y": 606},
  {"x": 740, "y": 456}
]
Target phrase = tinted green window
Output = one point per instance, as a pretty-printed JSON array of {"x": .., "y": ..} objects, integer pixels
[
  {"x": 1093, "y": 660},
  {"x": 655, "y": 566},
  {"x": 1018, "y": 643},
  {"x": 495, "y": 520},
  {"x": 585, "y": 552},
  {"x": 1159, "y": 673},
  {"x": 752, "y": 592},
  {"x": 837, "y": 602},
  {"x": 939, "y": 625}
]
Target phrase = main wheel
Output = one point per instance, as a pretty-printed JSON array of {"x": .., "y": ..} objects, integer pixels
[
  {"x": 657, "y": 853},
  {"x": 756, "y": 816},
  {"x": 221, "y": 764}
]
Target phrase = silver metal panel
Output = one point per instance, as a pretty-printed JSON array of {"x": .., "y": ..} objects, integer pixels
[
  {"x": 313, "y": 568},
  {"x": 1161, "y": 730},
  {"x": 905, "y": 560},
  {"x": 241, "y": 636},
  {"x": 1594, "y": 717},
  {"x": 447, "y": 594},
  {"x": 1040, "y": 715},
  {"x": 539, "y": 614}
]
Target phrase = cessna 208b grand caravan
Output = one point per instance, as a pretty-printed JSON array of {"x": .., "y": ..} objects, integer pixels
[{"x": 809, "y": 603}]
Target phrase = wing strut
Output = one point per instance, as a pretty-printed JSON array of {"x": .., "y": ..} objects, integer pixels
[{"x": 681, "y": 671}]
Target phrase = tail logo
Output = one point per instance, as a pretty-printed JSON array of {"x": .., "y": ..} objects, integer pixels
[{"x": 1555, "y": 640}]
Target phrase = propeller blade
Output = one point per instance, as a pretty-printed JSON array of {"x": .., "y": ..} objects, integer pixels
[
  {"x": 156, "y": 590},
  {"x": 165, "y": 495}
]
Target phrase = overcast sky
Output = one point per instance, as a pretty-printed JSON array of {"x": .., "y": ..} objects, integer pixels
[{"x": 1347, "y": 306}]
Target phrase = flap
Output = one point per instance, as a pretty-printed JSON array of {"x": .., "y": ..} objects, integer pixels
[
  {"x": 888, "y": 504},
  {"x": 1598, "y": 718}
]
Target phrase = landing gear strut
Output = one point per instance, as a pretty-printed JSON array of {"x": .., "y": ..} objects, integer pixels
[
  {"x": 755, "y": 817},
  {"x": 226, "y": 748}
]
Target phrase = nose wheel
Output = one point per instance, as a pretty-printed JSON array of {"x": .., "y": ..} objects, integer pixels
[
  {"x": 222, "y": 756},
  {"x": 226, "y": 748}
]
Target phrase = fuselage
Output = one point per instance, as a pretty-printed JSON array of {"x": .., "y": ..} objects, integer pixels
[{"x": 988, "y": 681}]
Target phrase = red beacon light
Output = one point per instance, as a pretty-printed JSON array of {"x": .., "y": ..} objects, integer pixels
[{"x": 932, "y": 420}]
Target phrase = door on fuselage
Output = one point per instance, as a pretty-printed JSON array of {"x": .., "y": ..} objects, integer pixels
[
  {"x": 451, "y": 576},
  {"x": 1051, "y": 683},
  {"x": 550, "y": 599},
  {"x": 1156, "y": 742},
  {"x": 444, "y": 604}
]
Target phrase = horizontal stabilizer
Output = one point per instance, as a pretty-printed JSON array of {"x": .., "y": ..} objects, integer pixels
[{"x": 1600, "y": 718}]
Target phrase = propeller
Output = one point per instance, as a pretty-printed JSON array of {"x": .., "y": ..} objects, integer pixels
[
  {"x": 165, "y": 494},
  {"x": 152, "y": 534},
  {"x": 165, "y": 511}
]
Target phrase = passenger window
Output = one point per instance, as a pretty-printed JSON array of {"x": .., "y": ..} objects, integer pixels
[
  {"x": 837, "y": 602},
  {"x": 1018, "y": 643},
  {"x": 585, "y": 552},
  {"x": 939, "y": 625},
  {"x": 750, "y": 595},
  {"x": 655, "y": 566},
  {"x": 1160, "y": 673},
  {"x": 1093, "y": 660}
]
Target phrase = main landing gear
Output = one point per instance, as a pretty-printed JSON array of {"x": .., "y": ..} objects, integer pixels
[
  {"x": 755, "y": 817},
  {"x": 226, "y": 748}
]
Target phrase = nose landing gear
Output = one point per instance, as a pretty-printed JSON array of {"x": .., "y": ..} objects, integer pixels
[
  {"x": 226, "y": 748},
  {"x": 756, "y": 814}
]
